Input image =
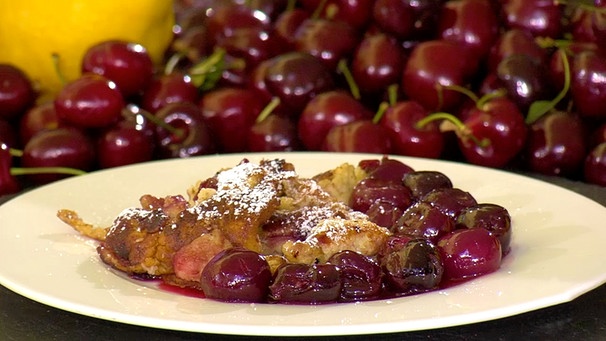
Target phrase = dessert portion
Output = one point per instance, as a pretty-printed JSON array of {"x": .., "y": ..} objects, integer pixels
[{"x": 259, "y": 232}]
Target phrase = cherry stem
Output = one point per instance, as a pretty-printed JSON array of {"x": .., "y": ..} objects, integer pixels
[
  {"x": 462, "y": 90},
  {"x": 582, "y": 5},
  {"x": 383, "y": 106},
  {"x": 490, "y": 96},
  {"x": 56, "y": 59},
  {"x": 206, "y": 73},
  {"x": 351, "y": 82},
  {"x": 392, "y": 98},
  {"x": 133, "y": 109},
  {"x": 392, "y": 93},
  {"x": 319, "y": 9},
  {"x": 539, "y": 108},
  {"x": 15, "y": 152},
  {"x": 172, "y": 62},
  {"x": 46, "y": 170},
  {"x": 291, "y": 5},
  {"x": 461, "y": 128},
  {"x": 269, "y": 108}
]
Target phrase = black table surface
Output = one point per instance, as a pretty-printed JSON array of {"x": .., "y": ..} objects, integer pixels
[{"x": 581, "y": 319}]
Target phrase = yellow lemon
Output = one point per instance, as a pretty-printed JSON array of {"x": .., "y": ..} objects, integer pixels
[{"x": 32, "y": 31}]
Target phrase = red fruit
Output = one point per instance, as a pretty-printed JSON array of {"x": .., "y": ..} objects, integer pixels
[
  {"x": 594, "y": 168},
  {"x": 8, "y": 134},
  {"x": 515, "y": 41},
  {"x": 499, "y": 133},
  {"x": 408, "y": 138},
  {"x": 129, "y": 141},
  {"x": 126, "y": 64},
  {"x": 8, "y": 183},
  {"x": 230, "y": 113},
  {"x": 362, "y": 136},
  {"x": 274, "y": 133},
  {"x": 542, "y": 18},
  {"x": 325, "y": 111},
  {"x": 91, "y": 101},
  {"x": 588, "y": 83},
  {"x": 172, "y": 88},
  {"x": 16, "y": 92},
  {"x": 38, "y": 118}
]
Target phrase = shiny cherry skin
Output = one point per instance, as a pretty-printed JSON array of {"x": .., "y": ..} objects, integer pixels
[
  {"x": 427, "y": 68},
  {"x": 227, "y": 18},
  {"x": 127, "y": 142},
  {"x": 515, "y": 41},
  {"x": 588, "y": 83},
  {"x": 62, "y": 147},
  {"x": 170, "y": 88},
  {"x": 236, "y": 275},
  {"x": 126, "y": 64},
  {"x": 540, "y": 17},
  {"x": 360, "y": 276},
  {"x": 472, "y": 23},
  {"x": 422, "y": 220},
  {"x": 326, "y": 111},
  {"x": 230, "y": 112},
  {"x": 408, "y": 138},
  {"x": 450, "y": 201},
  {"x": 377, "y": 63},
  {"x": 16, "y": 92},
  {"x": 422, "y": 182},
  {"x": 306, "y": 284},
  {"x": 287, "y": 23},
  {"x": 274, "y": 133},
  {"x": 556, "y": 144},
  {"x": 407, "y": 20},
  {"x": 362, "y": 136},
  {"x": 469, "y": 253},
  {"x": 327, "y": 40},
  {"x": 356, "y": 13},
  {"x": 190, "y": 135},
  {"x": 295, "y": 78},
  {"x": 368, "y": 191},
  {"x": 491, "y": 217},
  {"x": 501, "y": 125},
  {"x": 8, "y": 134},
  {"x": 91, "y": 101}
]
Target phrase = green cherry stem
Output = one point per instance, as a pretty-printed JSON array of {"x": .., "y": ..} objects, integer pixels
[
  {"x": 15, "y": 152},
  {"x": 133, "y": 109},
  {"x": 46, "y": 170},
  {"x": 56, "y": 61},
  {"x": 269, "y": 108},
  {"x": 460, "y": 128},
  {"x": 343, "y": 68}
]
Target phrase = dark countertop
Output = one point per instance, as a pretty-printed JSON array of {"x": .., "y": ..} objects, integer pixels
[{"x": 582, "y": 319}]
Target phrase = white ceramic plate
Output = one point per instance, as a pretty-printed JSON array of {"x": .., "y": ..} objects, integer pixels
[{"x": 557, "y": 254}]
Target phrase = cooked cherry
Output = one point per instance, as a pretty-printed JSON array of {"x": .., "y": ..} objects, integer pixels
[
  {"x": 451, "y": 201},
  {"x": 422, "y": 182},
  {"x": 469, "y": 253},
  {"x": 236, "y": 275},
  {"x": 360, "y": 276},
  {"x": 416, "y": 267},
  {"x": 422, "y": 220},
  {"x": 491, "y": 217},
  {"x": 369, "y": 191},
  {"x": 389, "y": 169},
  {"x": 306, "y": 284}
]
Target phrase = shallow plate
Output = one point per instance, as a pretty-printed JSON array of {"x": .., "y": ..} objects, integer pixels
[{"x": 557, "y": 254}]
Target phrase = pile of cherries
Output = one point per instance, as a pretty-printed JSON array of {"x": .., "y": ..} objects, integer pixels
[
  {"x": 512, "y": 84},
  {"x": 441, "y": 236}
]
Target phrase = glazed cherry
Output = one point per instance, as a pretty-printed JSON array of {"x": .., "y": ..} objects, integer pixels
[
  {"x": 16, "y": 92},
  {"x": 62, "y": 147},
  {"x": 422, "y": 220},
  {"x": 414, "y": 268},
  {"x": 295, "y": 78},
  {"x": 326, "y": 111},
  {"x": 183, "y": 133},
  {"x": 361, "y": 136},
  {"x": 236, "y": 275},
  {"x": 491, "y": 217},
  {"x": 407, "y": 136},
  {"x": 468, "y": 253},
  {"x": 171, "y": 88},
  {"x": 368, "y": 191},
  {"x": 451, "y": 201},
  {"x": 386, "y": 169},
  {"x": 360, "y": 276},
  {"x": 306, "y": 284},
  {"x": 229, "y": 113},
  {"x": 422, "y": 182},
  {"x": 91, "y": 101},
  {"x": 124, "y": 63}
]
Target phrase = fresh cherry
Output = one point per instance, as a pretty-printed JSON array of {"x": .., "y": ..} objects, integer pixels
[
  {"x": 16, "y": 92},
  {"x": 8, "y": 183},
  {"x": 124, "y": 63},
  {"x": 169, "y": 88},
  {"x": 362, "y": 136},
  {"x": 91, "y": 101},
  {"x": 38, "y": 118},
  {"x": 594, "y": 168}
]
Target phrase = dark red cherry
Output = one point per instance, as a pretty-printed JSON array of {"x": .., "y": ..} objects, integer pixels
[
  {"x": 8, "y": 183},
  {"x": 171, "y": 88},
  {"x": 8, "y": 134},
  {"x": 360, "y": 276},
  {"x": 594, "y": 168},
  {"x": 361, "y": 136},
  {"x": 126, "y": 64},
  {"x": 588, "y": 83},
  {"x": 491, "y": 217},
  {"x": 542, "y": 18},
  {"x": 306, "y": 284},
  {"x": 406, "y": 19},
  {"x": 422, "y": 220},
  {"x": 515, "y": 41},
  {"x": 450, "y": 201},
  {"x": 468, "y": 253},
  {"x": 40, "y": 117},
  {"x": 422, "y": 182},
  {"x": 356, "y": 13},
  {"x": 129, "y": 141},
  {"x": 274, "y": 133},
  {"x": 16, "y": 92},
  {"x": 91, "y": 101}
]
